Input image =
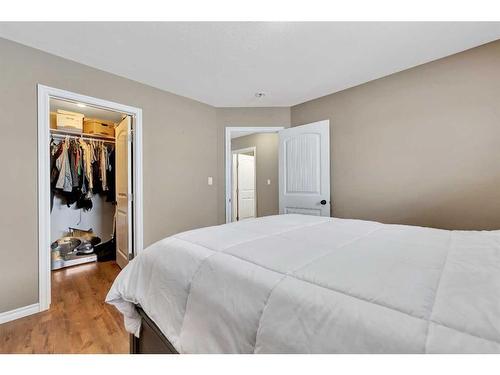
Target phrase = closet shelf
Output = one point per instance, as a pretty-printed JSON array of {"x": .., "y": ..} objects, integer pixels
[{"x": 63, "y": 133}]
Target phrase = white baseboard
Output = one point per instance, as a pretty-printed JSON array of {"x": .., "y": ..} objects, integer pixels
[{"x": 19, "y": 313}]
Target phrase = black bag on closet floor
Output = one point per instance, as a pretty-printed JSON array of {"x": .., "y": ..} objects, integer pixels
[{"x": 106, "y": 251}]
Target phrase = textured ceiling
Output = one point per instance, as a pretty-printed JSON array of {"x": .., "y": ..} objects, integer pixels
[{"x": 225, "y": 64}]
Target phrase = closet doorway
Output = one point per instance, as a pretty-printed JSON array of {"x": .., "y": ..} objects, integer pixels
[{"x": 89, "y": 184}]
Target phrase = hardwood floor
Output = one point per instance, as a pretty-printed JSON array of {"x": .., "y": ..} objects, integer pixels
[{"x": 78, "y": 320}]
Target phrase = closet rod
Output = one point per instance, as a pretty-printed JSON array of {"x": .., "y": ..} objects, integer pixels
[{"x": 97, "y": 138}]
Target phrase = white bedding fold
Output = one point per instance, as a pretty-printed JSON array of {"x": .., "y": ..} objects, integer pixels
[{"x": 304, "y": 284}]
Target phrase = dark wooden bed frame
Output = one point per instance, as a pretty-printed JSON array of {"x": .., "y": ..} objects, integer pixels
[{"x": 151, "y": 340}]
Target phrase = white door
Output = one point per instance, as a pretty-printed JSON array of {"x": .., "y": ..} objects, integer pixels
[
  {"x": 123, "y": 157},
  {"x": 234, "y": 188},
  {"x": 304, "y": 169},
  {"x": 246, "y": 186}
]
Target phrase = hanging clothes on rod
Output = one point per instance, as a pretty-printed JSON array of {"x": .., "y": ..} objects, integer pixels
[
  {"x": 87, "y": 137},
  {"x": 80, "y": 168}
]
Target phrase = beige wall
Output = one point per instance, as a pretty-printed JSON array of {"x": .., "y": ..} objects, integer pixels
[
  {"x": 266, "y": 145},
  {"x": 276, "y": 116},
  {"x": 418, "y": 147},
  {"x": 180, "y": 151}
]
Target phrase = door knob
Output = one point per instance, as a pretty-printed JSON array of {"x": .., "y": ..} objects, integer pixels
[{"x": 323, "y": 202}]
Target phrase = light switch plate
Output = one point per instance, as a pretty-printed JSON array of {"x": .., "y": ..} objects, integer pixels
[
  {"x": 210, "y": 181},
  {"x": 269, "y": 182}
]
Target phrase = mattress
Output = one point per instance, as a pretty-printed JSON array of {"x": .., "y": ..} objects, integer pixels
[{"x": 306, "y": 284}]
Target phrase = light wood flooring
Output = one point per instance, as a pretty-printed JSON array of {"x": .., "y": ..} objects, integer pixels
[{"x": 78, "y": 320}]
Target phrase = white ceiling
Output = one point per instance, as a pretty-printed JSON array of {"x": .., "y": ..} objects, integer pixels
[
  {"x": 88, "y": 111},
  {"x": 225, "y": 64}
]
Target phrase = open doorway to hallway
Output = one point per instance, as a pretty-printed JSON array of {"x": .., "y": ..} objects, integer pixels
[{"x": 252, "y": 172}]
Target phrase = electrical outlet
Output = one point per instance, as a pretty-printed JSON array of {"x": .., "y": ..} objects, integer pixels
[{"x": 210, "y": 181}]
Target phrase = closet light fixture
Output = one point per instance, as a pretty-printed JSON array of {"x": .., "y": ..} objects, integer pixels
[
  {"x": 260, "y": 94},
  {"x": 81, "y": 105}
]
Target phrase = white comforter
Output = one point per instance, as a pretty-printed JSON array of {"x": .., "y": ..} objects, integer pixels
[{"x": 303, "y": 284}]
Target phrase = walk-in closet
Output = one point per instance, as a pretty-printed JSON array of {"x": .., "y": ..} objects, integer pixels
[{"x": 89, "y": 175}]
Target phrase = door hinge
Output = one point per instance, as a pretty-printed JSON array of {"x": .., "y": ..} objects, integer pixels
[
  {"x": 130, "y": 197},
  {"x": 130, "y": 136}
]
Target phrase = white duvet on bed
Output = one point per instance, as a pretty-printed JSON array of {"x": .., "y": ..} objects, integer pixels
[{"x": 304, "y": 284}]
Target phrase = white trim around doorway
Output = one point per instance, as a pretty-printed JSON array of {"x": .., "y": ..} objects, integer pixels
[
  {"x": 228, "y": 156},
  {"x": 45, "y": 93}
]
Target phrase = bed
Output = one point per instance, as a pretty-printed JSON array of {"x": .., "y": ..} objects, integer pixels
[{"x": 306, "y": 284}]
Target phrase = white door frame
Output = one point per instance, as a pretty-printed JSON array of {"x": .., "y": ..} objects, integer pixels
[
  {"x": 228, "y": 156},
  {"x": 45, "y": 93},
  {"x": 243, "y": 151}
]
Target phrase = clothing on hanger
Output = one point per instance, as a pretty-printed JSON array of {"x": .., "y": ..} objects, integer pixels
[
  {"x": 80, "y": 169},
  {"x": 64, "y": 181}
]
